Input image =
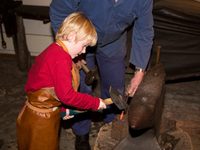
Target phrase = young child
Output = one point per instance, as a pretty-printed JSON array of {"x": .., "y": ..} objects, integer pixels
[{"x": 53, "y": 80}]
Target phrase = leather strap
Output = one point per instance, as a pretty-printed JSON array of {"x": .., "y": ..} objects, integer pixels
[{"x": 75, "y": 72}]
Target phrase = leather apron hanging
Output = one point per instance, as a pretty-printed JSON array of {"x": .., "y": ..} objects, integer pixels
[{"x": 39, "y": 120}]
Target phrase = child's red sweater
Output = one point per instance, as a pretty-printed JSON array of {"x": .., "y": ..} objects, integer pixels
[{"x": 52, "y": 68}]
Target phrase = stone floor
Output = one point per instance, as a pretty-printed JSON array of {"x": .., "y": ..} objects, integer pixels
[{"x": 12, "y": 98}]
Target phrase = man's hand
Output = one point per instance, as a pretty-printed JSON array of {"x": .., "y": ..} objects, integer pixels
[
  {"x": 79, "y": 63},
  {"x": 134, "y": 83}
]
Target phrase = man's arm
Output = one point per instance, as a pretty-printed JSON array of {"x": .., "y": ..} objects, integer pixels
[
  {"x": 142, "y": 34},
  {"x": 59, "y": 10},
  {"x": 142, "y": 40}
]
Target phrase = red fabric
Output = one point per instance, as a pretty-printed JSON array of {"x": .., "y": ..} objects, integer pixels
[{"x": 52, "y": 68}]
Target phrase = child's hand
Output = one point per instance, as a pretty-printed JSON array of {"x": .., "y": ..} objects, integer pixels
[
  {"x": 67, "y": 115},
  {"x": 102, "y": 105}
]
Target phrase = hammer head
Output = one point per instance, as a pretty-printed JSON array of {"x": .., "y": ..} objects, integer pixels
[
  {"x": 90, "y": 77},
  {"x": 118, "y": 99}
]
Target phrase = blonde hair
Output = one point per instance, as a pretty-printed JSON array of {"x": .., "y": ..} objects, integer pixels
[{"x": 77, "y": 22}]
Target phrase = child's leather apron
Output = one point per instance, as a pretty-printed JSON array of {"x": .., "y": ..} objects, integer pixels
[{"x": 38, "y": 122}]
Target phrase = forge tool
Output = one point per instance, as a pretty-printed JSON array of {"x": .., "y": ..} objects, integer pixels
[{"x": 116, "y": 98}]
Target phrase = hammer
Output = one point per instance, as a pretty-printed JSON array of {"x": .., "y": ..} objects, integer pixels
[
  {"x": 116, "y": 98},
  {"x": 90, "y": 74}
]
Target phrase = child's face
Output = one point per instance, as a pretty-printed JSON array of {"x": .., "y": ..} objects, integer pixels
[{"x": 79, "y": 47}]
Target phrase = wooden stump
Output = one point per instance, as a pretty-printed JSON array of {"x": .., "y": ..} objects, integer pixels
[{"x": 111, "y": 134}]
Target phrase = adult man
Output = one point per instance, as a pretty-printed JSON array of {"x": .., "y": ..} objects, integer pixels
[{"x": 111, "y": 19}]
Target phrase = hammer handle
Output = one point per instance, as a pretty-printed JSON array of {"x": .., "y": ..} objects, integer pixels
[
  {"x": 108, "y": 101},
  {"x": 85, "y": 68}
]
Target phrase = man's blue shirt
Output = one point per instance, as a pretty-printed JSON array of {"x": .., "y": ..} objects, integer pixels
[{"x": 111, "y": 20}]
